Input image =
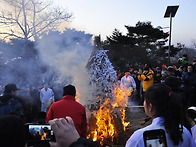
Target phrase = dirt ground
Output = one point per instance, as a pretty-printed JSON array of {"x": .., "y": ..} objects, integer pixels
[{"x": 136, "y": 116}]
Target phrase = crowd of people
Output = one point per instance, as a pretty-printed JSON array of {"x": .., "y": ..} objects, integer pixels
[
  {"x": 67, "y": 118},
  {"x": 168, "y": 95},
  {"x": 181, "y": 79}
]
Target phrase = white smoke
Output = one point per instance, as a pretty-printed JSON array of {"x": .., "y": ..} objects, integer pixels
[{"x": 67, "y": 54}]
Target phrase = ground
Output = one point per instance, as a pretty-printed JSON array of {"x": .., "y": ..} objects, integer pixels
[{"x": 135, "y": 114}]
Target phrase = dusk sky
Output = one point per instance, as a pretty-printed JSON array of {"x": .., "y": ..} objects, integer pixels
[{"x": 103, "y": 16}]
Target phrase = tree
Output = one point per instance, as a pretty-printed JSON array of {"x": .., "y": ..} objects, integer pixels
[
  {"x": 118, "y": 38},
  {"x": 190, "y": 52},
  {"x": 35, "y": 63},
  {"x": 30, "y": 19},
  {"x": 150, "y": 41},
  {"x": 142, "y": 44}
]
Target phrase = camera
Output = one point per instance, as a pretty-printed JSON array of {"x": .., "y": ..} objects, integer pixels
[
  {"x": 155, "y": 138},
  {"x": 39, "y": 133}
]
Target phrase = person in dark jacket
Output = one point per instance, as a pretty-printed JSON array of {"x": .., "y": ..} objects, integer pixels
[
  {"x": 69, "y": 107},
  {"x": 12, "y": 131},
  {"x": 9, "y": 103},
  {"x": 189, "y": 81}
]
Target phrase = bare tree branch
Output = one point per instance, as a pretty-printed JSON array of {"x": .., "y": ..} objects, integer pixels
[
  {"x": 31, "y": 18},
  {"x": 11, "y": 34}
]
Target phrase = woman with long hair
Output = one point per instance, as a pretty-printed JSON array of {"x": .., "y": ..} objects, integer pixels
[{"x": 166, "y": 111}]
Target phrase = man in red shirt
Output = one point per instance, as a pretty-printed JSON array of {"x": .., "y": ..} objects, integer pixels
[{"x": 69, "y": 107}]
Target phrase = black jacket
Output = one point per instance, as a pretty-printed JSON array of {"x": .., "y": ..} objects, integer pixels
[{"x": 9, "y": 105}]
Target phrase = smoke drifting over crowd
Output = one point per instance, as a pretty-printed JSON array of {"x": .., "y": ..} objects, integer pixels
[
  {"x": 55, "y": 58},
  {"x": 19, "y": 63},
  {"x": 58, "y": 59},
  {"x": 67, "y": 55}
]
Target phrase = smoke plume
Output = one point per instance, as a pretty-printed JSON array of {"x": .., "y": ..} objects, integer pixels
[{"x": 67, "y": 55}]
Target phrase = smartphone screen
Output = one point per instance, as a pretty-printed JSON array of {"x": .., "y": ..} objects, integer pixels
[
  {"x": 39, "y": 132},
  {"x": 155, "y": 138}
]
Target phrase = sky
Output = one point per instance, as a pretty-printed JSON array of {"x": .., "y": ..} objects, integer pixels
[{"x": 101, "y": 17}]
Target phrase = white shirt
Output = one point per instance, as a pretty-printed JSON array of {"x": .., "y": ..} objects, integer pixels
[
  {"x": 136, "y": 140},
  {"x": 44, "y": 96},
  {"x": 193, "y": 131},
  {"x": 127, "y": 82}
]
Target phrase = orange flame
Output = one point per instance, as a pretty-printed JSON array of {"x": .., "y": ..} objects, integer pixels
[
  {"x": 43, "y": 137},
  {"x": 77, "y": 97},
  {"x": 121, "y": 99},
  {"x": 104, "y": 124},
  {"x": 104, "y": 120}
]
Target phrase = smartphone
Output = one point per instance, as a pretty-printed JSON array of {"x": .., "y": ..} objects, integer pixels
[
  {"x": 39, "y": 133},
  {"x": 155, "y": 138}
]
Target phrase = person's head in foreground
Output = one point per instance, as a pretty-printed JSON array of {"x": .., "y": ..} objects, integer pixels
[
  {"x": 12, "y": 131},
  {"x": 166, "y": 111},
  {"x": 160, "y": 101},
  {"x": 11, "y": 88},
  {"x": 69, "y": 90}
]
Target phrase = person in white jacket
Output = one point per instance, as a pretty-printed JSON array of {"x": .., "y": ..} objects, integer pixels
[
  {"x": 127, "y": 82},
  {"x": 46, "y": 97}
]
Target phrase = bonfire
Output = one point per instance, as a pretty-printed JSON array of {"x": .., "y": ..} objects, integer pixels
[{"x": 108, "y": 124}]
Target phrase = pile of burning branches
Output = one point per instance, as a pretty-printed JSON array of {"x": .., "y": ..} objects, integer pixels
[{"x": 108, "y": 125}]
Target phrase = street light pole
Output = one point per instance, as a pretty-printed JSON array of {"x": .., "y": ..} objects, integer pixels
[
  {"x": 170, "y": 28},
  {"x": 170, "y": 12}
]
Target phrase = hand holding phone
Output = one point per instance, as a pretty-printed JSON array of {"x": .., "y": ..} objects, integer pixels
[{"x": 65, "y": 132}]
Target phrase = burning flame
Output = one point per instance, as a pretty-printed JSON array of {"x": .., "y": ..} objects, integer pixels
[
  {"x": 104, "y": 124},
  {"x": 77, "y": 97},
  {"x": 43, "y": 137},
  {"x": 121, "y": 99},
  {"x": 123, "y": 119},
  {"x": 104, "y": 119}
]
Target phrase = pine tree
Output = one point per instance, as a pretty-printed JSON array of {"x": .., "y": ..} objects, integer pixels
[{"x": 142, "y": 44}]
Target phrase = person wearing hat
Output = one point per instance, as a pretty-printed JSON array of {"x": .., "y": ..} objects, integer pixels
[
  {"x": 69, "y": 107},
  {"x": 170, "y": 71},
  {"x": 9, "y": 103}
]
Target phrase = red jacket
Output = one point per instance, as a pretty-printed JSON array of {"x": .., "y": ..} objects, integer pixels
[{"x": 69, "y": 107}]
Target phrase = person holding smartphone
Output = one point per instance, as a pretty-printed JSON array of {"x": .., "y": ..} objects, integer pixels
[
  {"x": 166, "y": 111},
  {"x": 66, "y": 134}
]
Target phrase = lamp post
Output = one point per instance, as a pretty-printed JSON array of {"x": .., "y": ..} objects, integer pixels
[{"x": 170, "y": 12}]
